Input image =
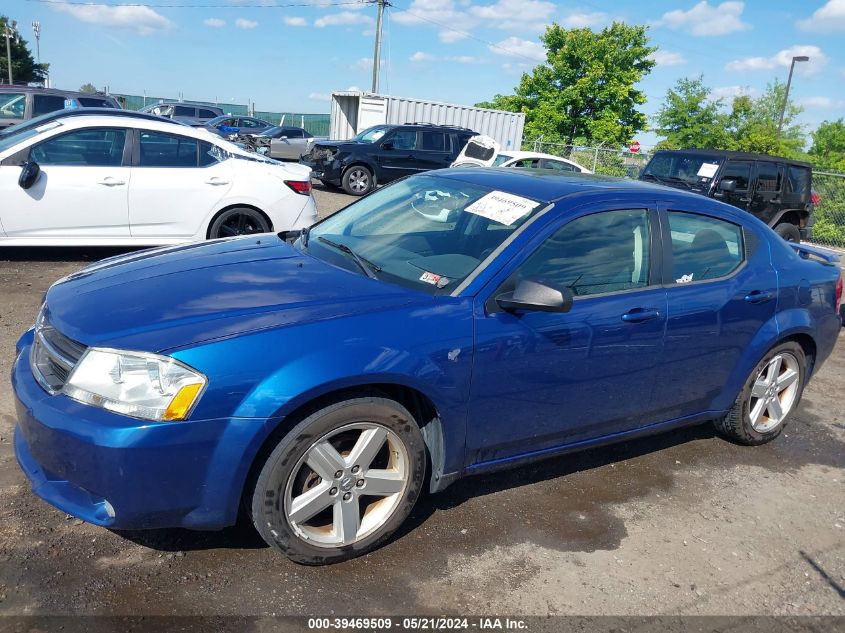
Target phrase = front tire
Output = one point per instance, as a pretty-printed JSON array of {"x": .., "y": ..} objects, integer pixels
[
  {"x": 341, "y": 482},
  {"x": 769, "y": 396},
  {"x": 788, "y": 231},
  {"x": 357, "y": 181}
]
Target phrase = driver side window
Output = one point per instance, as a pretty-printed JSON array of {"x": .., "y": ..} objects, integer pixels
[
  {"x": 595, "y": 254},
  {"x": 404, "y": 139}
]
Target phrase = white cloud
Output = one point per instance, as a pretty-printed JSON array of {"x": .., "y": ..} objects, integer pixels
[
  {"x": 295, "y": 21},
  {"x": 729, "y": 93},
  {"x": 516, "y": 47},
  {"x": 353, "y": 89},
  {"x": 420, "y": 56},
  {"x": 668, "y": 58},
  {"x": 783, "y": 59},
  {"x": 243, "y": 23},
  {"x": 704, "y": 19},
  {"x": 362, "y": 64},
  {"x": 580, "y": 20},
  {"x": 142, "y": 20},
  {"x": 827, "y": 19},
  {"x": 825, "y": 103},
  {"x": 344, "y": 18},
  {"x": 510, "y": 14},
  {"x": 214, "y": 22},
  {"x": 453, "y": 23},
  {"x": 319, "y": 96}
]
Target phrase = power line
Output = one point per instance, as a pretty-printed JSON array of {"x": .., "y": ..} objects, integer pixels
[{"x": 249, "y": 5}]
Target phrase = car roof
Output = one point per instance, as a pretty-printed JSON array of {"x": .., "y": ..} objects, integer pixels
[
  {"x": 88, "y": 112},
  {"x": 147, "y": 122},
  {"x": 724, "y": 153},
  {"x": 54, "y": 91},
  {"x": 548, "y": 185}
]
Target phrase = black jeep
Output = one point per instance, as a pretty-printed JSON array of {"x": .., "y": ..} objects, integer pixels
[
  {"x": 384, "y": 153},
  {"x": 776, "y": 190}
]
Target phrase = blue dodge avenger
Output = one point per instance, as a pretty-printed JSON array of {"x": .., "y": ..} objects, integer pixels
[{"x": 449, "y": 324}]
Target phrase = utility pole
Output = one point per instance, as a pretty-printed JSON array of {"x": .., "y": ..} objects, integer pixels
[
  {"x": 377, "y": 54},
  {"x": 799, "y": 58},
  {"x": 36, "y": 28},
  {"x": 10, "y": 32}
]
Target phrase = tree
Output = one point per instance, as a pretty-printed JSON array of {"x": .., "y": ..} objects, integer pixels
[
  {"x": 87, "y": 88},
  {"x": 585, "y": 91},
  {"x": 24, "y": 68},
  {"x": 828, "y": 150},
  {"x": 690, "y": 118},
  {"x": 753, "y": 124}
]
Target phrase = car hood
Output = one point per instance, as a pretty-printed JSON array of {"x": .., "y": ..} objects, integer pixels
[{"x": 169, "y": 298}]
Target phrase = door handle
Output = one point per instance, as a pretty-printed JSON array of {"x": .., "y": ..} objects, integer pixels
[
  {"x": 759, "y": 296},
  {"x": 108, "y": 181},
  {"x": 214, "y": 180},
  {"x": 638, "y": 315}
]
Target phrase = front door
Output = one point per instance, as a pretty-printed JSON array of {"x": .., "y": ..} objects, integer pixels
[
  {"x": 543, "y": 380},
  {"x": 80, "y": 193},
  {"x": 740, "y": 172},
  {"x": 395, "y": 155},
  {"x": 766, "y": 197}
]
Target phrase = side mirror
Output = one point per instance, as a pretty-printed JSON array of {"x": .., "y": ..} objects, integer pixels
[
  {"x": 283, "y": 138},
  {"x": 727, "y": 185},
  {"x": 30, "y": 171},
  {"x": 532, "y": 296},
  {"x": 387, "y": 145}
]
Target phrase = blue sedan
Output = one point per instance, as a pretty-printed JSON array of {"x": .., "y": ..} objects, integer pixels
[{"x": 452, "y": 323}]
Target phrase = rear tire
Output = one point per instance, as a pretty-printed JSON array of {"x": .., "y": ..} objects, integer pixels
[
  {"x": 357, "y": 180},
  {"x": 238, "y": 221},
  {"x": 788, "y": 231},
  {"x": 340, "y": 482},
  {"x": 768, "y": 398}
]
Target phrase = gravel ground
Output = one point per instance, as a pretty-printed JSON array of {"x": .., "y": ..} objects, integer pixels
[{"x": 683, "y": 523}]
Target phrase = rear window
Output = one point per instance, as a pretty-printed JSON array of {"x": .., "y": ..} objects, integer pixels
[
  {"x": 94, "y": 102},
  {"x": 12, "y": 105},
  {"x": 42, "y": 104},
  {"x": 703, "y": 247},
  {"x": 798, "y": 180},
  {"x": 433, "y": 141}
]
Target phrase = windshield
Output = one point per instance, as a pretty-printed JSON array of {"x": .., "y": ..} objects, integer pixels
[
  {"x": 687, "y": 170},
  {"x": 501, "y": 158},
  {"x": 370, "y": 135},
  {"x": 19, "y": 133},
  {"x": 425, "y": 232}
]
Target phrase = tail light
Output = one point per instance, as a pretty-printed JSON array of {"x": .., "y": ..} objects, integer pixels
[
  {"x": 815, "y": 198},
  {"x": 839, "y": 292},
  {"x": 300, "y": 186}
]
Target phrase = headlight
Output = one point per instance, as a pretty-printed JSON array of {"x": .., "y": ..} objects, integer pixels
[{"x": 137, "y": 384}]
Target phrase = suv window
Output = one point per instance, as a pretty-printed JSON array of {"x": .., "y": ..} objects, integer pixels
[
  {"x": 433, "y": 141},
  {"x": 12, "y": 105},
  {"x": 249, "y": 123},
  {"x": 768, "y": 176},
  {"x": 740, "y": 172},
  {"x": 595, "y": 254},
  {"x": 167, "y": 150},
  {"x": 404, "y": 139},
  {"x": 102, "y": 147},
  {"x": 558, "y": 165},
  {"x": 184, "y": 111},
  {"x": 292, "y": 133},
  {"x": 798, "y": 180},
  {"x": 703, "y": 247},
  {"x": 42, "y": 104},
  {"x": 206, "y": 114}
]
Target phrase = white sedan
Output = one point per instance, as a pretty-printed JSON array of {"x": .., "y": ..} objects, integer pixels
[
  {"x": 484, "y": 151},
  {"x": 117, "y": 180}
]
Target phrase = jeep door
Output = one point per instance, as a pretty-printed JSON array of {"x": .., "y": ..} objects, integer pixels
[
  {"x": 740, "y": 172},
  {"x": 766, "y": 198}
]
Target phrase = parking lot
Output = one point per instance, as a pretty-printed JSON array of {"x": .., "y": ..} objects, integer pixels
[{"x": 683, "y": 523}]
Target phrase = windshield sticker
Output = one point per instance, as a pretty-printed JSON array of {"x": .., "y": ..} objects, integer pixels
[
  {"x": 501, "y": 207},
  {"x": 685, "y": 279},
  {"x": 708, "y": 170},
  {"x": 434, "y": 279}
]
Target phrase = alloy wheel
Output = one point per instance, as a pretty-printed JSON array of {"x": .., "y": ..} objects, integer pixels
[
  {"x": 359, "y": 180},
  {"x": 774, "y": 392},
  {"x": 241, "y": 224},
  {"x": 347, "y": 484}
]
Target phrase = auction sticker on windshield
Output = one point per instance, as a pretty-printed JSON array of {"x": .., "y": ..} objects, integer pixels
[
  {"x": 708, "y": 170},
  {"x": 501, "y": 207}
]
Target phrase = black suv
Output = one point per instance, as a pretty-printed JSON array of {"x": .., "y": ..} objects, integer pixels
[
  {"x": 384, "y": 153},
  {"x": 776, "y": 190}
]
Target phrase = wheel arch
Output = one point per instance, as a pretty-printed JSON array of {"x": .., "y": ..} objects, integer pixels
[
  {"x": 361, "y": 162},
  {"x": 235, "y": 205}
]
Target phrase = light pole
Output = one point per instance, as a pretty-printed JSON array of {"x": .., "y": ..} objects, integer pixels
[
  {"x": 799, "y": 58},
  {"x": 11, "y": 32}
]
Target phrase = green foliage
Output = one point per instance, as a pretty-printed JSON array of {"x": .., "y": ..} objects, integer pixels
[
  {"x": 829, "y": 227},
  {"x": 689, "y": 118},
  {"x": 753, "y": 124},
  {"x": 828, "y": 150},
  {"x": 585, "y": 92},
  {"x": 24, "y": 68},
  {"x": 87, "y": 88}
]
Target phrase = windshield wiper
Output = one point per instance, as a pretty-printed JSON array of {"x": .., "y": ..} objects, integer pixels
[{"x": 370, "y": 269}]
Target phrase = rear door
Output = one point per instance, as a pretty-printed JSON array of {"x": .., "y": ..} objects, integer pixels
[
  {"x": 721, "y": 289},
  {"x": 434, "y": 150},
  {"x": 175, "y": 185}
]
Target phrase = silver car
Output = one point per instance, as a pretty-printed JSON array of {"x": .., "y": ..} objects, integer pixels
[{"x": 284, "y": 142}]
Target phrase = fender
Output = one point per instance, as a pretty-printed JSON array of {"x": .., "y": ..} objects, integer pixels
[{"x": 776, "y": 218}]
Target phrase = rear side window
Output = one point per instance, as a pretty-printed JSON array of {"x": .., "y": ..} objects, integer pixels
[
  {"x": 703, "y": 247},
  {"x": 433, "y": 141},
  {"x": 768, "y": 177},
  {"x": 184, "y": 111},
  {"x": 798, "y": 180},
  {"x": 93, "y": 102},
  {"x": 12, "y": 105},
  {"x": 740, "y": 172},
  {"x": 101, "y": 147},
  {"x": 558, "y": 165},
  {"x": 595, "y": 254},
  {"x": 206, "y": 114},
  {"x": 42, "y": 104},
  {"x": 404, "y": 139},
  {"x": 167, "y": 150}
]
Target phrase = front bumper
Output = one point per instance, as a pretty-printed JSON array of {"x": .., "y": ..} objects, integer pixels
[
  {"x": 326, "y": 171},
  {"x": 123, "y": 473}
]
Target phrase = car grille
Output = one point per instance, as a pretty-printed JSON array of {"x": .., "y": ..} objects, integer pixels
[{"x": 53, "y": 356}]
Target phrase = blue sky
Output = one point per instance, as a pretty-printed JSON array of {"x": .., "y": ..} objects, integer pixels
[{"x": 461, "y": 51}]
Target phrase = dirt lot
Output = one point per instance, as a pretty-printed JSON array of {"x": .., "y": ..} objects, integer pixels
[{"x": 684, "y": 523}]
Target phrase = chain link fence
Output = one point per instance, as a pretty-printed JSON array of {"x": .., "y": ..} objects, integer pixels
[{"x": 829, "y": 227}]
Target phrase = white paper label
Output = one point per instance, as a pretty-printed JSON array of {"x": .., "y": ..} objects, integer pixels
[
  {"x": 502, "y": 207},
  {"x": 708, "y": 170}
]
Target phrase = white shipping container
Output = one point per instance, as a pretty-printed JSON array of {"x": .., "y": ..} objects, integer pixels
[{"x": 355, "y": 111}]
